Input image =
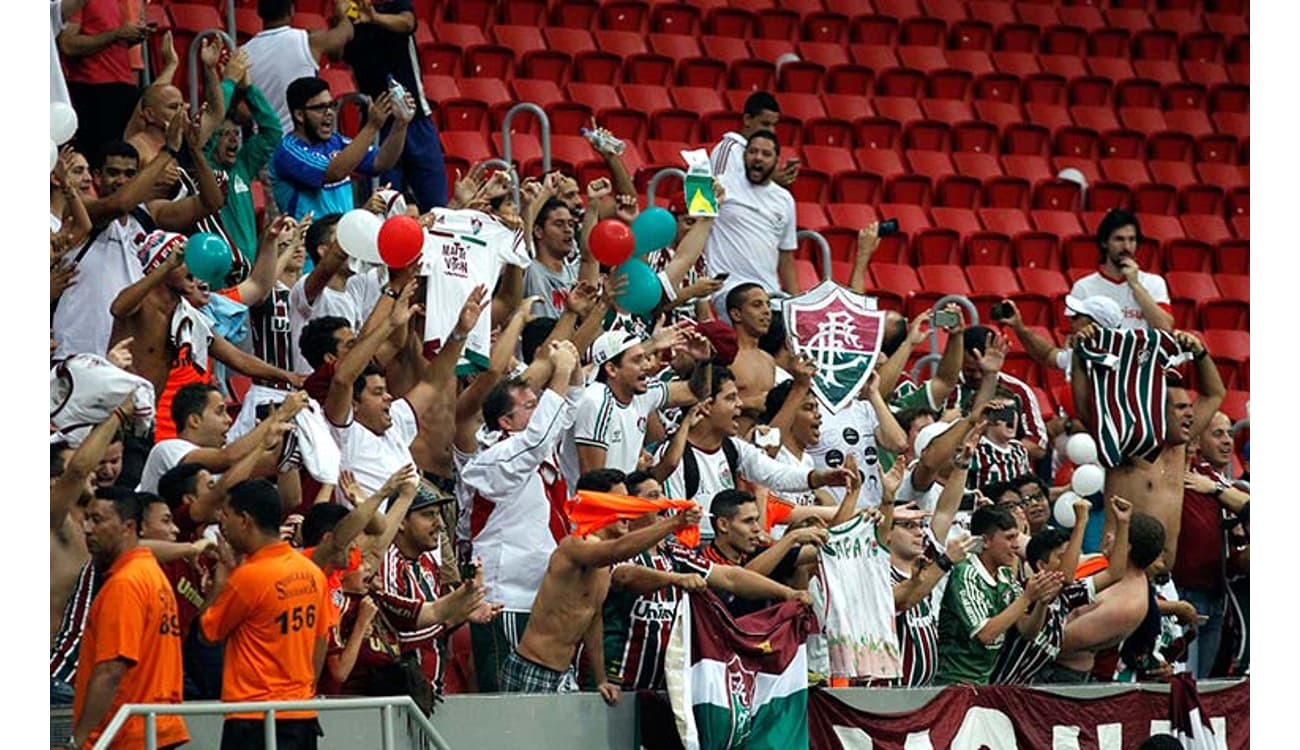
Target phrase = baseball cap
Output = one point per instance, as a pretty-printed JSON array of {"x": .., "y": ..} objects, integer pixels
[
  {"x": 1104, "y": 310},
  {"x": 158, "y": 245},
  {"x": 723, "y": 339},
  {"x": 928, "y": 434},
  {"x": 610, "y": 344},
  {"x": 427, "y": 495}
]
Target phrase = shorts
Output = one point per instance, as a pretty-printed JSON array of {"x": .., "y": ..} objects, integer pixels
[
  {"x": 290, "y": 734},
  {"x": 1055, "y": 674},
  {"x": 520, "y": 675},
  {"x": 492, "y": 644}
]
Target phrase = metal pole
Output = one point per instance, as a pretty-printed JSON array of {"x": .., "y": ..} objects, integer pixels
[
  {"x": 808, "y": 234},
  {"x": 151, "y": 731},
  {"x": 546, "y": 133},
  {"x": 508, "y": 167},
  {"x": 932, "y": 360},
  {"x": 230, "y": 21},
  {"x": 148, "y": 68},
  {"x": 654, "y": 182},
  {"x": 268, "y": 729},
  {"x": 971, "y": 312},
  {"x": 386, "y": 728},
  {"x": 194, "y": 61}
]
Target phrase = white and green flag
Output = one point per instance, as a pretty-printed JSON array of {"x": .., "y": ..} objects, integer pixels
[{"x": 739, "y": 683}]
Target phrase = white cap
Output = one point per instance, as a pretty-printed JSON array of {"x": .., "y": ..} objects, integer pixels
[
  {"x": 1104, "y": 310},
  {"x": 928, "y": 434},
  {"x": 611, "y": 344}
]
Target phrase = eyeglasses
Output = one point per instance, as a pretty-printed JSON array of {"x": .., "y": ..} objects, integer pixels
[
  {"x": 1032, "y": 498},
  {"x": 326, "y": 106}
]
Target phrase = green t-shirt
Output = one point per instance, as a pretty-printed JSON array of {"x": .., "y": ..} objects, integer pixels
[{"x": 972, "y": 598}]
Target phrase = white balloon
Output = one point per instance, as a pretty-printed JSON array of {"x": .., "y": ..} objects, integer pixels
[
  {"x": 1088, "y": 479},
  {"x": 63, "y": 123},
  {"x": 54, "y": 155},
  {"x": 1081, "y": 449},
  {"x": 1064, "y": 510},
  {"x": 358, "y": 235}
]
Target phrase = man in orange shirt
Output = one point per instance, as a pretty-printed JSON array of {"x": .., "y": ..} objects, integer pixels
[
  {"x": 272, "y": 612},
  {"x": 131, "y": 648}
]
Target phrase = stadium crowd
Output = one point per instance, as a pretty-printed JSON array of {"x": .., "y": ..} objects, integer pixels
[{"x": 386, "y": 511}]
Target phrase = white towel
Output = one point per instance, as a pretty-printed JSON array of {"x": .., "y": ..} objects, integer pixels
[
  {"x": 84, "y": 391},
  {"x": 315, "y": 448}
]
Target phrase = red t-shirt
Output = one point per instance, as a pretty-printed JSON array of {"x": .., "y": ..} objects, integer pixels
[
  {"x": 1200, "y": 540},
  {"x": 111, "y": 64},
  {"x": 379, "y": 649}
]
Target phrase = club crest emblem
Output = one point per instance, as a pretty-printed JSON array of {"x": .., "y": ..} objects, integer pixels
[{"x": 836, "y": 328}]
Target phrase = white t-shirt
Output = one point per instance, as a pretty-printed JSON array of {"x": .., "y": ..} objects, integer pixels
[
  {"x": 728, "y": 157},
  {"x": 163, "y": 457},
  {"x": 301, "y": 312},
  {"x": 852, "y": 430},
  {"x": 58, "y": 86},
  {"x": 365, "y": 289},
  {"x": 372, "y": 457},
  {"x": 806, "y": 497},
  {"x": 82, "y": 322},
  {"x": 619, "y": 428},
  {"x": 1097, "y": 285},
  {"x": 279, "y": 56},
  {"x": 907, "y": 493},
  {"x": 754, "y": 224},
  {"x": 715, "y": 476},
  {"x": 462, "y": 250}
]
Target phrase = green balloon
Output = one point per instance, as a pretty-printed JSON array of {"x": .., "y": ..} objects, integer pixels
[
  {"x": 208, "y": 258},
  {"x": 643, "y": 289},
  {"x": 654, "y": 228}
]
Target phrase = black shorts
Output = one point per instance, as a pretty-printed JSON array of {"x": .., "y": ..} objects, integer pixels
[{"x": 290, "y": 734}]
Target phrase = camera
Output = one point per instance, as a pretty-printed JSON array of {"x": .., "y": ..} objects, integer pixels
[
  {"x": 887, "y": 227},
  {"x": 946, "y": 319},
  {"x": 1002, "y": 311}
]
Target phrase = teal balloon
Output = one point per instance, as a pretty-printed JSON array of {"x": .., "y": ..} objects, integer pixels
[
  {"x": 207, "y": 256},
  {"x": 643, "y": 290},
  {"x": 654, "y": 228}
]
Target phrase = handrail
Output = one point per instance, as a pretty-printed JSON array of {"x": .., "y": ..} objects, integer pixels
[
  {"x": 506, "y": 151},
  {"x": 654, "y": 182},
  {"x": 940, "y": 304},
  {"x": 193, "y": 54},
  {"x": 510, "y": 169},
  {"x": 929, "y": 359},
  {"x": 809, "y": 234},
  {"x": 151, "y": 712},
  {"x": 230, "y": 21}
]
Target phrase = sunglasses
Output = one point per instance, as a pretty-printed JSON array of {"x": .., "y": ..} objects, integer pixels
[{"x": 327, "y": 106}]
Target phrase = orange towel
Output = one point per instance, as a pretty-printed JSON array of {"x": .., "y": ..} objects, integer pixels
[
  {"x": 1091, "y": 567},
  {"x": 778, "y": 511},
  {"x": 589, "y": 512}
]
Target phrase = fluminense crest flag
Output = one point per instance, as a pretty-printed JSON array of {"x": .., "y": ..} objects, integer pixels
[
  {"x": 839, "y": 329},
  {"x": 739, "y": 683}
]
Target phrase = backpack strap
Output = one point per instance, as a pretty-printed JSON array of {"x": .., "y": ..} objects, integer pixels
[{"x": 690, "y": 472}]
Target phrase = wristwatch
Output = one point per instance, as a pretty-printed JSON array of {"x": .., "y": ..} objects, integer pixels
[
  {"x": 943, "y": 562},
  {"x": 1219, "y": 488},
  {"x": 457, "y": 336}
]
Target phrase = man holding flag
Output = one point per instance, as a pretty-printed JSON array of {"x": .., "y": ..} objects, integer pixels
[{"x": 567, "y": 610}]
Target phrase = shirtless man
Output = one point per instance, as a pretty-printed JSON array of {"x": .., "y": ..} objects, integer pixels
[
  {"x": 567, "y": 610},
  {"x": 1156, "y": 487},
  {"x": 1117, "y": 612},
  {"x": 144, "y": 312},
  {"x": 70, "y": 475},
  {"x": 750, "y": 310},
  {"x": 161, "y": 102}
]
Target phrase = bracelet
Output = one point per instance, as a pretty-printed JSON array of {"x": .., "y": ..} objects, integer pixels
[
  {"x": 943, "y": 562},
  {"x": 456, "y": 336},
  {"x": 391, "y": 292}
]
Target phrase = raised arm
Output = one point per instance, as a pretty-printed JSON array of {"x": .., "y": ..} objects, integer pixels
[
  {"x": 140, "y": 188},
  {"x": 955, "y": 486},
  {"x": 442, "y": 373},
  {"x": 1070, "y": 560},
  {"x": 330, "y": 42},
  {"x": 128, "y": 301},
  {"x": 338, "y": 402},
  {"x": 261, "y": 279},
  {"x": 892, "y": 370},
  {"x": 1156, "y": 316},
  {"x": 868, "y": 241},
  {"x": 599, "y": 553},
  {"x": 890, "y": 435},
  {"x": 181, "y": 215},
  {"x": 351, "y": 157},
  {"x": 1040, "y": 349},
  {"x": 945, "y": 377},
  {"x": 1208, "y": 382},
  {"x": 677, "y": 446},
  {"x": 67, "y": 488},
  {"x": 355, "y": 522},
  {"x": 1117, "y": 567}
]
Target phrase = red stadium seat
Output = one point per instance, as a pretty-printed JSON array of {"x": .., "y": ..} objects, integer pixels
[
  {"x": 947, "y": 279},
  {"x": 1060, "y": 223},
  {"x": 1232, "y": 257},
  {"x": 675, "y": 18},
  {"x": 900, "y": 279},
  {"x": 1206, "y": 228},
  {"x": 471, "y": 146}
]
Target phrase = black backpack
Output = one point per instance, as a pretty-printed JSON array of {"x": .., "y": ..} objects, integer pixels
[{"x": 691, "y": 468}]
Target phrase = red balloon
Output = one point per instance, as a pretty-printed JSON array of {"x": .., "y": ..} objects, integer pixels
[
  {"x": 612, "y": 242},
  {"x": 401, "y": 239}
]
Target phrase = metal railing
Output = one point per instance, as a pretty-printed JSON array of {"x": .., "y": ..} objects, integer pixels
[
  {"x": 658, "y": 176},
  {"x": 932, "y": 359},
  {"x": 194, "y": 60},
  {"x": 808, "y": 234},
  {"x": 386, "y": 706},
  {"x": 230, "y": 21},
  {"x": 507, "y": 152}
]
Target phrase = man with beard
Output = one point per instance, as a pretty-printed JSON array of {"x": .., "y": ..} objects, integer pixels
[
  {"x": 311, "y": 170},
  {"x": 1198, "y": 570},
  {"x": 753, "y": 238},
  {"x": 131, "y": 650},
  {"x": 1143, "y": 297}
]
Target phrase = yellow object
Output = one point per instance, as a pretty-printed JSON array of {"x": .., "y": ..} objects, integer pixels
[{"x": 700, "y": 205}]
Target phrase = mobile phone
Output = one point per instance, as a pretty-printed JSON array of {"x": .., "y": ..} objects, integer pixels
[
  {"x": 887, "y": 227},
  {"x": 263, "y": 410},
  {"x": 967, "y": 501},
  {"x": 946, "y": 319},
  {"x": 1001, "y": 311},
  {"x": 977, "y": 546},
  {"x": 722, "y": 276},
  {"x": 1005, "y": 414}
]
